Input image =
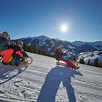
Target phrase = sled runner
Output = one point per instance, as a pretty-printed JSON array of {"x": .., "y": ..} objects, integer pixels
[
  {"x": 22, "y": 63},
  {"x": 74, "y": 62},
  {"x": 29, "y": 60}
]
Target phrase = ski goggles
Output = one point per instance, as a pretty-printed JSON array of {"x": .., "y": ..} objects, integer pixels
[{"x": 6, "y": 36}]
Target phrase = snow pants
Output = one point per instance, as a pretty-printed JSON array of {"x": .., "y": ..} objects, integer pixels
[
  {"x": 17, "y": 57},
  {"x": 70, "y": 64}
]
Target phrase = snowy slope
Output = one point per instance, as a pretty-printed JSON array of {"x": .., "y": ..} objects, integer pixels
[{"x": 43, "y": 81}]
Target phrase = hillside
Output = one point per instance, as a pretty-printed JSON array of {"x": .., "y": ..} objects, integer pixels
[{"x": 43, "y": 81}]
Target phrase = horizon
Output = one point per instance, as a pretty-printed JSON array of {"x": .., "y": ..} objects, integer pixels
[
  {"x": 56, "y": 38},
  {"x": 81, "y": 19}
]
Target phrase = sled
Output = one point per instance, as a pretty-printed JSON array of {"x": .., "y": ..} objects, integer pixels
[
  {"x": 23, "y": 63},
  {"x": 62, "y": 63}
]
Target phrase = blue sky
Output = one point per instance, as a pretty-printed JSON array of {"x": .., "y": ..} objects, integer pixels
[{"x": 23, "y": 18}]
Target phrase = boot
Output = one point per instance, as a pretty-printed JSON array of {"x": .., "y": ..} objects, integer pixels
[{"x": 76, "y": 67}]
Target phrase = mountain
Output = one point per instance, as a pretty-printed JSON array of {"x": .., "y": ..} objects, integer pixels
[
  {"x": 86, "y": 47},
  {"x": 49, "y": 44},
  {"x": 96, "y": 45},
  {"x": 78, "y": 43}
]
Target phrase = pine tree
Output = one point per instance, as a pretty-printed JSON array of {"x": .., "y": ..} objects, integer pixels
[
  {"x": 82, "y": 61},
  {"x": 88, "y": 62},
  {"x": 25, "y": 46},
  {"x": 96, "y": 62}
]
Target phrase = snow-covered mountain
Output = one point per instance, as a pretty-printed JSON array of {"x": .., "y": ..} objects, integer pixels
[
  {"x": 89, "y": 46},
  {"x": 78, "y": 43},
  {"x": 49, "y": 44}
]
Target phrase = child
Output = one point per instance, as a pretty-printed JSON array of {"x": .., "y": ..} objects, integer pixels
[
  {"x": 18, "y": 52},
  {"x": 58, "y": 53},
  {"x": 66, "y": 58},
  {"x": 66, "y": 55}
]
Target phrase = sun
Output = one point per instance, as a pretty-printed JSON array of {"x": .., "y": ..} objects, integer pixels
[{"x": 64, "y": 28}]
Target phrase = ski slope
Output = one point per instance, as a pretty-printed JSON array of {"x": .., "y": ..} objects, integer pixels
[{"x": 43, "y": 81}]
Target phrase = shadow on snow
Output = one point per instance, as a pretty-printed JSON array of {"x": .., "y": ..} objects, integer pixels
[
  {"x": 9, "y": 72},
  {"x": 52, "y": 82}
]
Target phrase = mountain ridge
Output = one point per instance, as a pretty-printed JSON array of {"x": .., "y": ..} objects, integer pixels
[{"x": 49, "y": 44}]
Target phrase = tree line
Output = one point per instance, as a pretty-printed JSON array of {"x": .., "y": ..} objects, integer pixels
[
  {"x": 33, "y": 49},
  {"x": 96, "y": 62}
]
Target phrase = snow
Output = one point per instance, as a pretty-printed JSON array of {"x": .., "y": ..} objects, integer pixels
[
  {"x": 43, "y": 81},
  {"x": 90, "y": 56},
  {"x": 78, "y": 43},
  {"x": 42, "y": 44},
  {"x": 41, "y": 38},
  {"x": 71, "y": 47}
]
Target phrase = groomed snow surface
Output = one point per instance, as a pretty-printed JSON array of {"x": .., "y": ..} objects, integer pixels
[{"x": 44, "y": 81}]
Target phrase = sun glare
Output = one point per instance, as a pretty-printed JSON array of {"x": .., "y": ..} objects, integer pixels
[{"x": 64, "y": 28}]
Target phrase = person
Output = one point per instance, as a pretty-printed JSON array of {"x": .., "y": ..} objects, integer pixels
[
  {"x": 4, "y": 40},
  {"x": 65, "y": 58},
  {"x": 4, "y": 51},
  {"x": 6, "y": 35},
  {"x": 66, "y": 55},
  {"x": 19, "y": 52},
  {"x": 58, "y": 53},
  {"x": 15, "y": 50}
]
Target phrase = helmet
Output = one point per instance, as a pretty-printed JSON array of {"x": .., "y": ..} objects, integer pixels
[
  {"x": 6, "y": 35},
  {"x": 20, "y": 43}
]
